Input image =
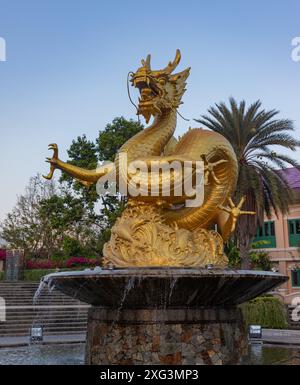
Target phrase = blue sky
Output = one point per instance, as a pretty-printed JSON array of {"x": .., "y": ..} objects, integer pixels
[{"x": 67, "y": 63}]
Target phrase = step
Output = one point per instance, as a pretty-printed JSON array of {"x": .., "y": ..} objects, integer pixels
[{"x": 57, "y": 312}]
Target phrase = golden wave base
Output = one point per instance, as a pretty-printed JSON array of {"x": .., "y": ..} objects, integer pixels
[{"x": 141, "y": 238}]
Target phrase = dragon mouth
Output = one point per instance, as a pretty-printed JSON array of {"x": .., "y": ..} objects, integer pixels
[
  {"x": 147, "y": 95},
  {"x": 147, "y": 103}
]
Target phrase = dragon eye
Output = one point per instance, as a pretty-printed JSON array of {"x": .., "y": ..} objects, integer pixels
[{"x": 162, "y": 81}]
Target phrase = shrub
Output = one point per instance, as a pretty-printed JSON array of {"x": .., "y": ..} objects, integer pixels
[
  {"x": 266, "y": 311},
  {"x": 80, "y": 261},
  {"x": 73, "y": 262},
  {"x": 71, "y": 246},
  {"x": 2, "y": 254},
  {"x": 1, "y": 275},
  {"x": 36, "y": 275},
  {"x": 259, "y": 259},
  {"x": 43, "y": 264}
]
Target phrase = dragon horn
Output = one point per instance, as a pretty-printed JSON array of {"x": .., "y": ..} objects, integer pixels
[
  {"x": 147, "y": 62},
  {"x": 172, "y": 65}
]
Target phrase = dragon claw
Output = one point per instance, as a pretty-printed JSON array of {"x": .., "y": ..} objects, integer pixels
[
  {"x": 52, "y": 161},
  {"x": 235, "y": 210},
  {"x": 209, "y": 169}
]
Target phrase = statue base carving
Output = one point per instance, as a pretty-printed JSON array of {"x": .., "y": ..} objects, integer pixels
[{"x": 141, "y": 238}]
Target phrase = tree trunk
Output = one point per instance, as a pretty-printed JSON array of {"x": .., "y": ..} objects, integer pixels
[
  {"x": 244, "y": 239},
  {"x": 244, "y": 253},
  {"x": 246, "y": 229}
]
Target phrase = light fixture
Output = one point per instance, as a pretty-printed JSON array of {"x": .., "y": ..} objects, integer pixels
[
  {"x": 255, "y": 332},
  {"x": 36, "y": 333}
]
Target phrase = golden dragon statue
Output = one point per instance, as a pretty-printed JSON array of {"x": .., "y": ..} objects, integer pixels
[{"x": 160, "y": 230}]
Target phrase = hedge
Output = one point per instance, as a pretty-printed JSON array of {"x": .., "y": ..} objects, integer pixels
[
  {"x": 30, "y": 275},
  {"x": 36, "y": 274},
  {"x": 267, "y": 311}
]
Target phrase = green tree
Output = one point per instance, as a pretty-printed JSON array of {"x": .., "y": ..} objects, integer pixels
[
  {"x": 253, "y": 133},
  {"x": 267, "y": 311},
  {"x": 109, "y": 142},
  {"x": 23, "y": 227},
  {"x": 114, "y": 136},
  {"x": 63, "y": 220},
  {"x": 84, "y": 153}
]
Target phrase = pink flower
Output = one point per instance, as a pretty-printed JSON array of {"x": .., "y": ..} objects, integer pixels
[
  {"x": 80, "y": 261},
  {"x": 2, "y": 254},
  {"x": 41, "y": 264}
]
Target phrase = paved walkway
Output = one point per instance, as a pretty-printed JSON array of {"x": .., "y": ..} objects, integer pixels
[
  {"x": 53, "y": 339},
  {"x": 284, "y": 337},
  {"x": 271, "y": 336}
]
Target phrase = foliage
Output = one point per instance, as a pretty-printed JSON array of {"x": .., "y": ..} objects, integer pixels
[
  {"x": 233, "y": 254},
  {"x": 2, "y": 275},
  {"x": 81, "y": 261},
  {"x": 23, "y": 228},
  {"x": 59, "y": 221},
  {"x": 41, "y": 264},
  {"x": 266, "y": 311},
  {"x": 259, "y": 260},
  {"x": 36, "y": 275},
  {"x": 114, "y": 136},
  {"x": 44, "y": 217},
  {"x": 71, "y": 246},
  {"x": 84, "y": 153},
  {"x": 253, "y": 132}
]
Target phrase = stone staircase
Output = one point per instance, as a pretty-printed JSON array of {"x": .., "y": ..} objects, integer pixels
[{"x": 56, "y": 312}]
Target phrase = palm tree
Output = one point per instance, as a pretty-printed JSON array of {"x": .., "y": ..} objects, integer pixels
[{"x": 253, "y": 133}]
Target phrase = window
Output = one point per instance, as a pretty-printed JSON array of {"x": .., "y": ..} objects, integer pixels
[
  {"x": 294, "y": 232},
  {"x": 266, "y": 233},
  {"x": 295, "y": 278}
]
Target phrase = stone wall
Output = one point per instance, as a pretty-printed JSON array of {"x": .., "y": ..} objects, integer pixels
[{"x": 165, "y": 336}]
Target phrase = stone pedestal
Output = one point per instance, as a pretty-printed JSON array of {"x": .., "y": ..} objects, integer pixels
[
  {"x": 165, "y": 315},
  {"x": 203, "y": 336}
]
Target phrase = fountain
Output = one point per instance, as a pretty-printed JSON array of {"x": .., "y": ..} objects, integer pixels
[{"x": 165, "y": 294}]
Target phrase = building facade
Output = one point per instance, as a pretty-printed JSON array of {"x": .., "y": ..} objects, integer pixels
[{"x": 282, "y": 236}]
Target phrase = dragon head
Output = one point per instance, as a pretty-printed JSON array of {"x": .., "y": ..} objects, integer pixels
[{"x": 159, "y": 90}]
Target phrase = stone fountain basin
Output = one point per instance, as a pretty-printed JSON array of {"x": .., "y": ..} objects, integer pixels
[{"x": 140, "y": 288}]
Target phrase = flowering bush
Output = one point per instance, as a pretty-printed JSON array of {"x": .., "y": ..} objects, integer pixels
[
  {"x": 43, "y": 264},
  {"x": 50, "y": 264},
  {"x": 2, "y": 254},
  {"x": 80, "y": 261}
]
